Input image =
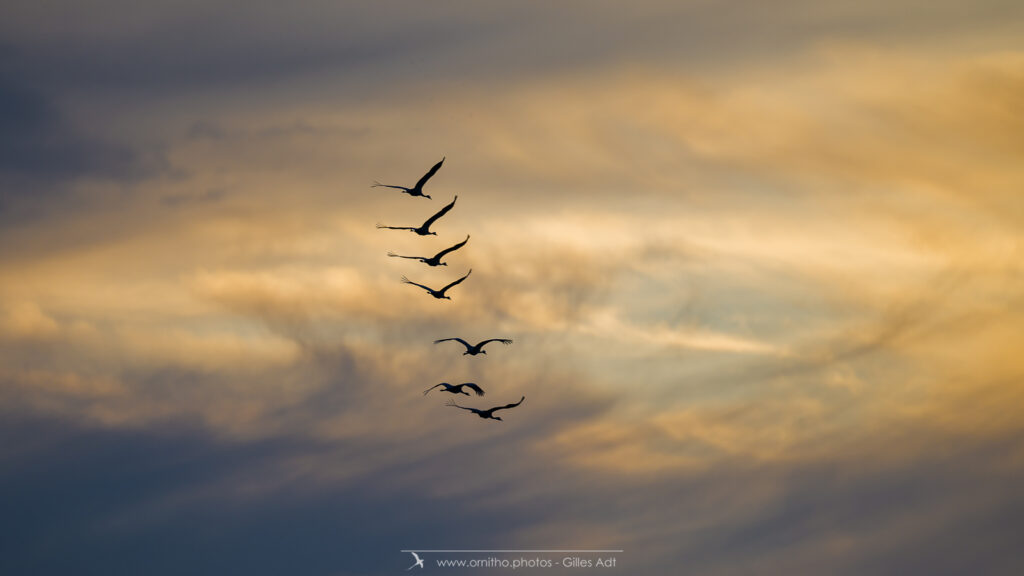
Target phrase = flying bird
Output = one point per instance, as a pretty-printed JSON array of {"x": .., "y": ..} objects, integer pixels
[
  {"x": 434, "y": 260},
  {"x": 439, "y": 294},
  {"x": 473, "y": 350},
  {"x": 416, "y": 190},
  {"x": 419, "y": 561},
  {"x": 489, "y": 413},
  {"x": 457, "y": 388},
  {"x": 423, "y": 230}
]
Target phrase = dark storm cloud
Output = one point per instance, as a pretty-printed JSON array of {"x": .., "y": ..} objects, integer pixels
[
  {"x": 168, "y": 47},
  {"x": 173, "y": 497},
  {"x": 81, "y": 495},
  {"x": 210, "y": 196},
  {"x": 38, "y": 142},
  {"x": 44, "y": 151},
  {"x": 56, "y": 54},
  {"x": 169, "y": 500},
  {"x": 85, "y": 499},
  {"x": 236, "y": 45},
  {"x": 946, "y": 511}
]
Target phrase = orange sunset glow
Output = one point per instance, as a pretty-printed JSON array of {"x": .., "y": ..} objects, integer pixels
[{"x": 761, "y": 264}]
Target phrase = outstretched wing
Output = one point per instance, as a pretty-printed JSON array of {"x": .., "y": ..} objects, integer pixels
[
  {"x": 379, "y": 185},
  {"x": 454, "y": 405},
  {"x": 445, "y": 289},
  {"x": 393, "y": 255},
  {"x": 505, "y": 341},
  {"x": 479, "y": 391},
  {"x": 429, "y": 174},
  {"x": 440, "y": 213},
  {"x": 407, "y": 281},
  {"x": 431, "y": 388},
  {"x": 440, "y": 254},
  {"x": 460, "y": 340},
  {"x": 379, "y": 225},
  {"x": 508, "y": 405}
]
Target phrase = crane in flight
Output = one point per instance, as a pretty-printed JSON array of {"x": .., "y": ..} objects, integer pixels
[
  {"x": 439, "y": 294},
  {"x": 423, "y": 230},
  {"x": 477, "y": 348},
  {"x": 489, "y": 413},
  {"x": 457, "y": 388},
  {"x": 416, "y": 190},
  {"x": 434, "y": 260}
]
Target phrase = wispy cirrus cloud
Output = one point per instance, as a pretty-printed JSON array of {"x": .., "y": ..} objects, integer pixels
[{"x": 762, "y": 279}]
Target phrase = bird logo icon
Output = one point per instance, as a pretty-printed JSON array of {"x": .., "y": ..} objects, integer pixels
[{"x": 419, "y": 562}]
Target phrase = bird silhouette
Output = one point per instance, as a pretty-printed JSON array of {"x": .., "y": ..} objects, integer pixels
[
  {"x": 423, "y": 230},
  {"x": 416, "y": 190},
  {"x": 457, "y": 388},
  {"x": 434, "y": 260},
  {"x": 419, "y": 561},
  {"x": 478, "y": 348},
  {"x": 489, "y": 413},
  {"x": 439, "y": 294}
]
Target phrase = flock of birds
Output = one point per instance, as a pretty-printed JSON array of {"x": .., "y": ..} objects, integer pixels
[{"x": 442, "y": 294}]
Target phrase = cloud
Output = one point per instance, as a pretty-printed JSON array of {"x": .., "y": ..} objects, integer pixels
[
  {"x": 26, "y": 320},
  {"x": 211, "y": 195},
  {"x": 609, "y": 326},
  {"x": 762, "y": 279},
  {"x": 38, "y": 141},
  {"x": 42, "y": 143}
]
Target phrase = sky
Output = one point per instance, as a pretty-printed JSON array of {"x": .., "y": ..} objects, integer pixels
[{"x": 761, "y": 263}]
